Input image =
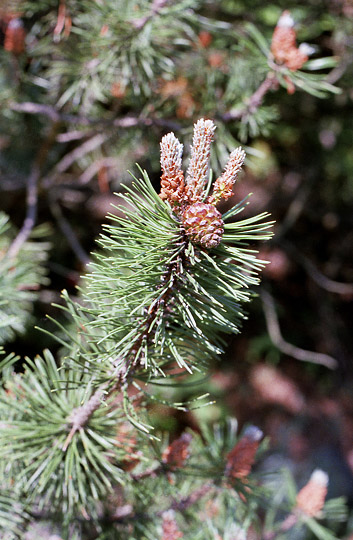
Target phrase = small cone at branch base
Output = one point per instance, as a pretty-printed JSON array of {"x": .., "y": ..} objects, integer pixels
[{"x": 203, "y": 224}]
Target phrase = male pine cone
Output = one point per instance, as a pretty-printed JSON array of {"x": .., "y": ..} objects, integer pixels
[
  {"x": 201, "y": 220},
  {"x": 203, "y": 224}
]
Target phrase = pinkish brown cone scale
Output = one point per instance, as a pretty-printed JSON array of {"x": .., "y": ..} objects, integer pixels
[{"x": 203, "y": 224}]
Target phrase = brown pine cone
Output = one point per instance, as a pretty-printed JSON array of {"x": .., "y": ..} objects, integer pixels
[
  {"x": 283, "y": 41},
  {"x": 15, "y": 35},
  {"x": 203, "y": 223}
]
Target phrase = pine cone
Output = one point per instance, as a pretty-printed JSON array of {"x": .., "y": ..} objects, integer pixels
[
  {"x": 15, "y": 35},
  {"x": 311, "y": 498},
  {"x": 203, "y": 223},
  {"x": 283, "y": 41}
]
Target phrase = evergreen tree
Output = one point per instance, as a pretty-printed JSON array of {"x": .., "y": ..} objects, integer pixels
[{"x": 92, "y": 84}]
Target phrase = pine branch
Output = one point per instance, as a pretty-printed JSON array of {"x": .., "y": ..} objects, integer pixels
[
  {"x": 151, "y": 296},
  {"x": 39, "y": 426},
  {"x": 171, "y": 284}
]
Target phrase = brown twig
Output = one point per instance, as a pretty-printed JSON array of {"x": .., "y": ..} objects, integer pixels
[
  {"x": 32, "y": 194},
  {"x": 70, "y": 158},
  {"x": 31, "y": 213},
  {"x": 255, "y": 100},
  {"x": 69, "y": 233},
  {"x": 185, "y": 503},
  {"x": 80, "y": 416},
  {"x": 320, "y": 279},
  {"x": 170, "y": 277},
  {"x": 37, "y": 108},
  {"x": 91, "y": 171},
  {"x": 285, "y": 347},
  {"x": 74, "y": 135},
  {"x": 126, "y": 122}
]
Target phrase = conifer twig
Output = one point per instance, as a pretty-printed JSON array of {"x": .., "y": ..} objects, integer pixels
[
  {"x": 255, "y": 100},
  {"x": 70, "y": 158},
  {"x": 170, "y": 277},
  {"x": 80, "y": 416},
  {"x": 74, "y": 135},
  {"x": 31, "y": 213},
  {"x": 37, "y": 108},
  {"x": 185, "y": 503},
  {"x": 92, "y": 170},
  {"x": 285, "y": 347},
  {"x": 318, "y": 277},
  {"x": 70, "y": 234},
  {"x": 32, "y": 194},
  {"x": 128, "y": 121}
]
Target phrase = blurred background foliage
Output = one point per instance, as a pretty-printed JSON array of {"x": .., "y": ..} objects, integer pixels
[{"x": 90, "y": 87}]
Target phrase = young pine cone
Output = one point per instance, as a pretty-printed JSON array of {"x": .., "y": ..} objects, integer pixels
[
  {"x": 15, "y": 35},
  {"x": 203, "y": 223}
]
